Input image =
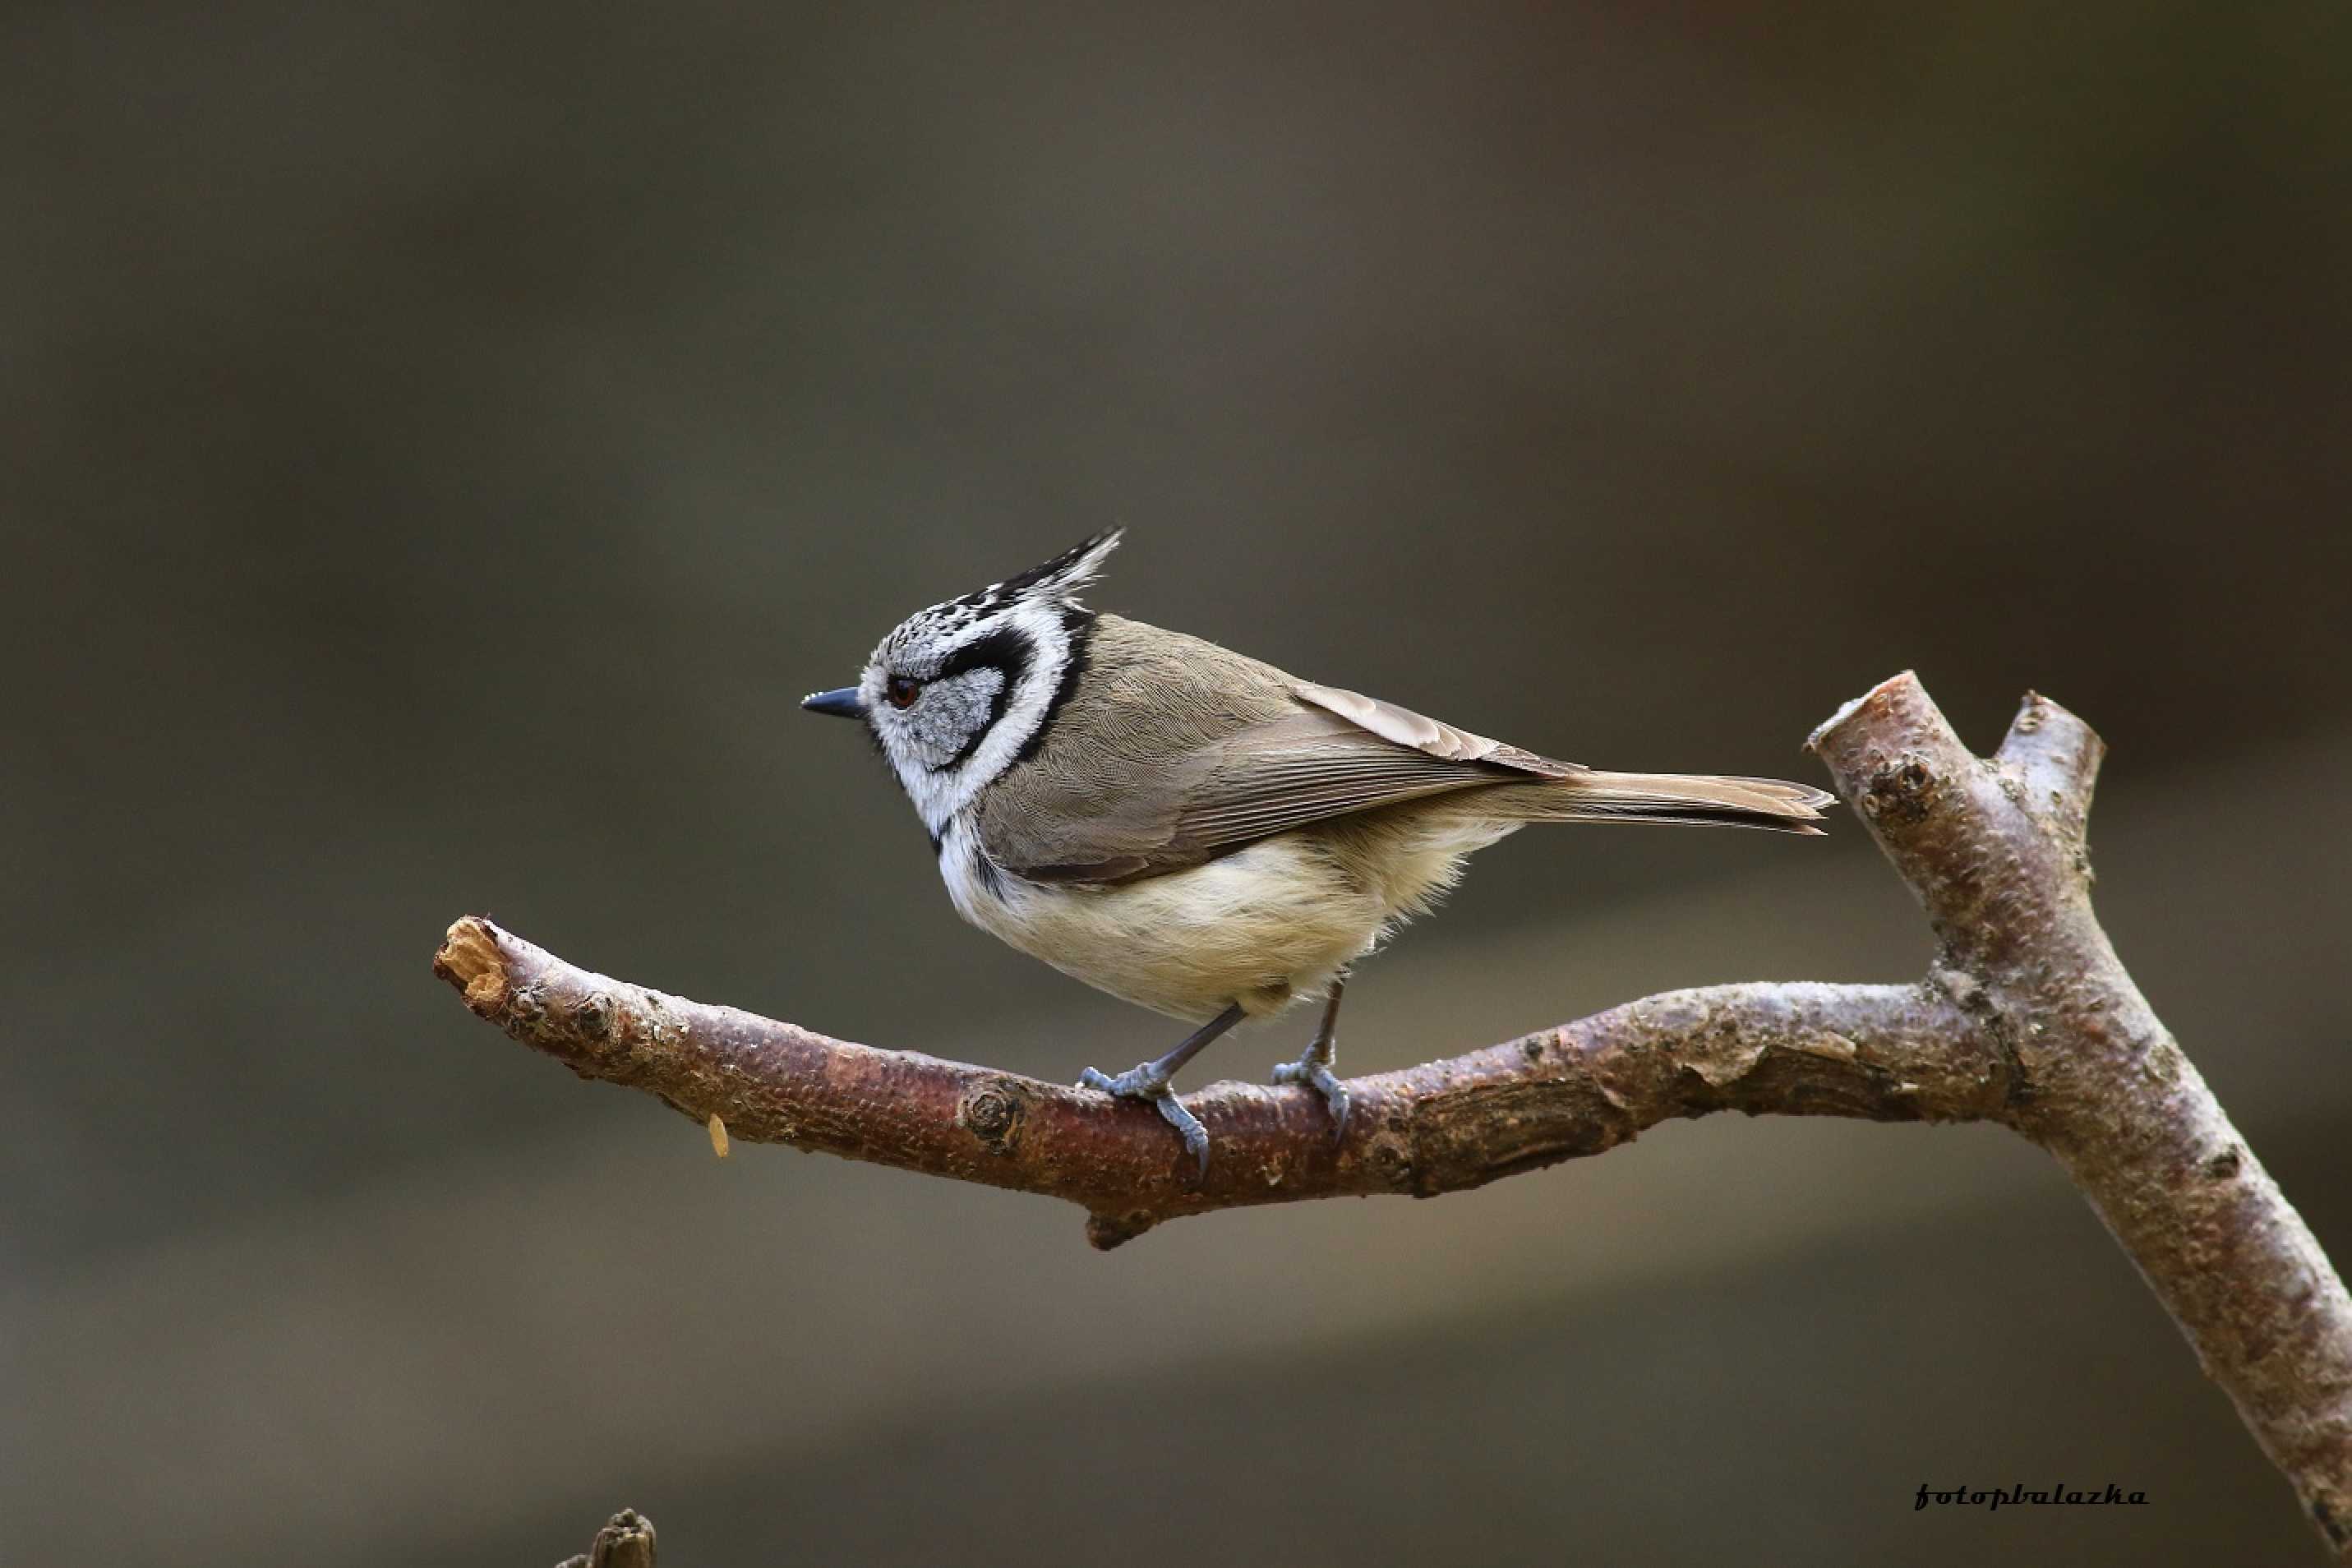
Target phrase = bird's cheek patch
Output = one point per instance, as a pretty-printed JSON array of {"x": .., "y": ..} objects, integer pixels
[{"x": 951, "y": 716}]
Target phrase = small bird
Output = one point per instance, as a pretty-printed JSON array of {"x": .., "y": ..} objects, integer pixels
[{"x": 1197, "y": 832}]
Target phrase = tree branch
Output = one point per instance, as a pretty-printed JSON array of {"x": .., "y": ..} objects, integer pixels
[
  {"x": 1996, "y": 851},
  {"x": 2026, "y": 1018},
  {"x": 1880, "y": 1051}
]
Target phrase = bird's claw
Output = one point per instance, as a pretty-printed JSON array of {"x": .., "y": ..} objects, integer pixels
[
  {"x": 1188, "y": 1126},
  {"x": 1142, "y": 1083},
  {"x": 1314, "y": 1069},
  {"x": 1127, "y": 1085}
]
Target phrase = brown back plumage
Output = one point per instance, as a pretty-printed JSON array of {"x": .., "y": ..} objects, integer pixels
[{"x": 1172, "y": 751}]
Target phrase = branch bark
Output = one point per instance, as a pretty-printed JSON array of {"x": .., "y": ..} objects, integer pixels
[{"x": 2026, "y": 1018}]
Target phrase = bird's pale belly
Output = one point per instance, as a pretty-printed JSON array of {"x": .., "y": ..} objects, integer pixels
[{"x": 1267, "y": 926}]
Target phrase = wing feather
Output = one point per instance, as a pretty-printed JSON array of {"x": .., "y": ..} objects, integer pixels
[
  {"x": 1432, "y": 737},
  {"x": 1178, "y": 750}
]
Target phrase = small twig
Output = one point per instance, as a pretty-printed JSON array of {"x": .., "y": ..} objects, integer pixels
[
  {"x": 625, "y": 1542},
  {"x": 2027, "y": 1018}
]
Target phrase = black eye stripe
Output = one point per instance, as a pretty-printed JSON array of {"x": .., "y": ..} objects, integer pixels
[{"x": 1005, "y": 650}]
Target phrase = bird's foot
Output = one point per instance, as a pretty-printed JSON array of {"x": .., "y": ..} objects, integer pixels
[
  {"x": 1150, "y": 1080},
  {"x": 1315, "y": 1067}
]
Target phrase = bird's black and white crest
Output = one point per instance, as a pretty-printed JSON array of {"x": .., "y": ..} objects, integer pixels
[{"x": 960, "y": 692}]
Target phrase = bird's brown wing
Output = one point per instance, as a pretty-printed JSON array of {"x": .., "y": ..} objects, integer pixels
[
  {"x": 1432, "y": 737},
  {"x": 1177, "y": 751}
]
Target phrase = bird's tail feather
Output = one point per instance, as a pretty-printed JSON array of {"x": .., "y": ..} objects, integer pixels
[{"x": 1701, "y": 799}]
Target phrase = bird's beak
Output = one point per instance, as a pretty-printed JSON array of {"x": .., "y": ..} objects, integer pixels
[{"x": 841, "y": 704}]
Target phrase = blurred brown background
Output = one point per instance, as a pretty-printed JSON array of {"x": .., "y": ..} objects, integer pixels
[{"x": 442, "y": 442}]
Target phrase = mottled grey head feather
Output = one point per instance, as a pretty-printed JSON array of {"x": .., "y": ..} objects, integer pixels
[{"x": 992, "y": 668}]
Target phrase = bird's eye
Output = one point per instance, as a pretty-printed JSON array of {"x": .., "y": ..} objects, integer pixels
[{"x": 902, "y": 691}]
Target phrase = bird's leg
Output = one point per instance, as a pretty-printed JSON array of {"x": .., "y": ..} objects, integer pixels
[
  {"x": 1148, "y": 1081},
  {"x": 1315, "y": 1067}
]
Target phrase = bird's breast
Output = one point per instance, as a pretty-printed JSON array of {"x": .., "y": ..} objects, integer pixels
[{"x": 1262, "y": 927}]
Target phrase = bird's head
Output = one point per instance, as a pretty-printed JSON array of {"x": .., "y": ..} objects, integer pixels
[{"x": 960, "y": 691}]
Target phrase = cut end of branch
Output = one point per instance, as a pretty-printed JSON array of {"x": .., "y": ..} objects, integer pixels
[
  {"x": 469, "y": 960},
  {"x": 1886, "y": 694},
  {"x": 2057, "y": 755},
  {"x": 625, "y": 1542},
  {"x": 1896, "y": 761}
]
